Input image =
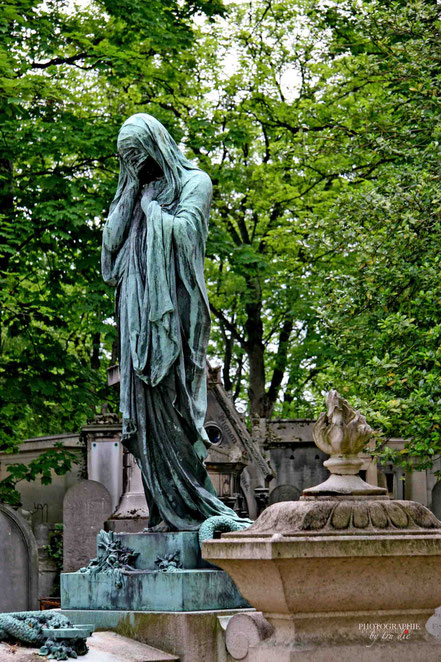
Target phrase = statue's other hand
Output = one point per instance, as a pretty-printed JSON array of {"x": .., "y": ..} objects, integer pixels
[{"x": 148, "y": 196}]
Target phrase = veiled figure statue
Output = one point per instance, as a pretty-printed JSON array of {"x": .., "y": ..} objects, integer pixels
[{"x": 153, "y": 253}]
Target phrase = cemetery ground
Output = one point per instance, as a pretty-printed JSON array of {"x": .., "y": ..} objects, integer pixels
[{"x": 103, "y": 647}]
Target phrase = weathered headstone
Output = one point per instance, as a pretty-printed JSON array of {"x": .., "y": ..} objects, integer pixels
[
  {"x": 86, "y": 506},
  {"x": 436, "y": 500},
  {"x": 18, "y": 563},
  {"x": 284, "y": 493}
]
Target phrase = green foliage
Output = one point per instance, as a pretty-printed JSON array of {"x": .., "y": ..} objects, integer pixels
[
  {"x": 319, "y": 123},
  {"x": 323, "y": 262},
  {"x": 380, "y": 314},
  {"x": 54, "y": 548},
  {"x": 68, "y": 78}
]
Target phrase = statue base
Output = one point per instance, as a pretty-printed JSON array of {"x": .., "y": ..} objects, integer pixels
[
  {"x": 336, "y": 579},
  {"x": 126, "y": 525},
  {"x": 170, "y": 576}
]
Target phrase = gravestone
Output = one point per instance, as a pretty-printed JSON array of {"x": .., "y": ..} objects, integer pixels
[
  {"x": 436, "y": 500},
  {"x": 86, "y": 506},
  {"x": 284, "y": 493},
  {"x": 18, "y": 563}
]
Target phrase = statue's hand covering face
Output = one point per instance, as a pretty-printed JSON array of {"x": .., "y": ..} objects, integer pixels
[
  {"x": 136, "y": 151},
  {"x": 154, "y": 255}
]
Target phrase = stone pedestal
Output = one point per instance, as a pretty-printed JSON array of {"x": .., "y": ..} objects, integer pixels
[
  {"x": 194, "y": 636},
  {"x": 169, "y": 576},
  {"x": 334, "y": 575},
  {"x": 344, "y": 573}
]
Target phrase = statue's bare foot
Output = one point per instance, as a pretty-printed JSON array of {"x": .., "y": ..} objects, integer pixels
[{"x": 162, "y": 527}]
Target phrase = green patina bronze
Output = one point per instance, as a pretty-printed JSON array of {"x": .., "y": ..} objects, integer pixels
[
  {"x": 153, "y": 253},
  {"x": 219, "y": 524},
  {"x": 169, "y": 562},
  {"x": 63, "y": 650},
  {"x": 113, "y": 558},
  {"x": 54, "y": 633},
  {"x": 28, "y": 626},
  {"x": 170, "y": 576}
]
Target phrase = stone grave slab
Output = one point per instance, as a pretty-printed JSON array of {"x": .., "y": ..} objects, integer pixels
[
  {"x": 86, "y": 506},
  {"x": 18, "y": 563}
]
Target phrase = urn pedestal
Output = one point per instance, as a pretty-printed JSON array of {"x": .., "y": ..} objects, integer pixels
[
  {"x": 331, "y": 584},
  {"x": 343, "y": 574}
]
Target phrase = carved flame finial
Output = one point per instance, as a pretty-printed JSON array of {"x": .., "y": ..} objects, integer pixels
[{"x": 342, "y": 432}]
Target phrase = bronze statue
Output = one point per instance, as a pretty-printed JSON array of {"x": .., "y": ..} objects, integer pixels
[{"x": 153, "y": 253}]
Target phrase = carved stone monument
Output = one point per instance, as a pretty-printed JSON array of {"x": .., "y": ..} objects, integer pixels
[
  {"x": 345, "y": 573},
  {"x": 149, "y": 572},
  {"x": 18, "y": 563},
  {"x": 86, "y": 506}
]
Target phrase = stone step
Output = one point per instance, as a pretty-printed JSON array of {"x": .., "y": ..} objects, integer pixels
[
  {"x": 184, "y": 590},
  {"x": 103, "y": 647},
  {"x": 196, "y": 636},
  {"x": 112, "y": 647}
]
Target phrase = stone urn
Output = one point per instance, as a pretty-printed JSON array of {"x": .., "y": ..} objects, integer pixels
[{"x": 345, "y": 573}]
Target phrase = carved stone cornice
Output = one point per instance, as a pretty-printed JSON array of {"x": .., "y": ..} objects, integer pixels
[{"x": 344, "y": 516}]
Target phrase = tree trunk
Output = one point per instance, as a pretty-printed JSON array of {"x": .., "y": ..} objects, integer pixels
[
  {"x": 6, "y": 212},
  {"x": 255, "y": 350},
  {"x": 95, "y": 356}
]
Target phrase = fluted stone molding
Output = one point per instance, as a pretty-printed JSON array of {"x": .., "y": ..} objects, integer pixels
[{"x": 332, "y": 515}]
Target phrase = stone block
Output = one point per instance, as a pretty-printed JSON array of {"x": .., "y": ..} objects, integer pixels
[
  {"x": 183, "y": 590},
  {"x": 193, "y": 636}
]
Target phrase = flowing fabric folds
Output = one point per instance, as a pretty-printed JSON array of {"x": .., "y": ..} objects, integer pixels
[{"x": 164, "y": 324}]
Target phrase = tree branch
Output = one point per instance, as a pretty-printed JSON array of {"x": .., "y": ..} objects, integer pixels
[
  {"x": 60, "y": 60},
  {"x": 228, "y": 325}
]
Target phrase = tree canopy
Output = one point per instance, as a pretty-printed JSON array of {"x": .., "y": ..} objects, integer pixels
[
  {"x": 70, "y": 76},
  {"x": 319, "y": 125},
  {"x": 327, "y": 212}
]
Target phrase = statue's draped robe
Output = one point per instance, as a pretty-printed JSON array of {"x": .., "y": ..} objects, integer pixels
[{"x": 164, "y": 322}]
